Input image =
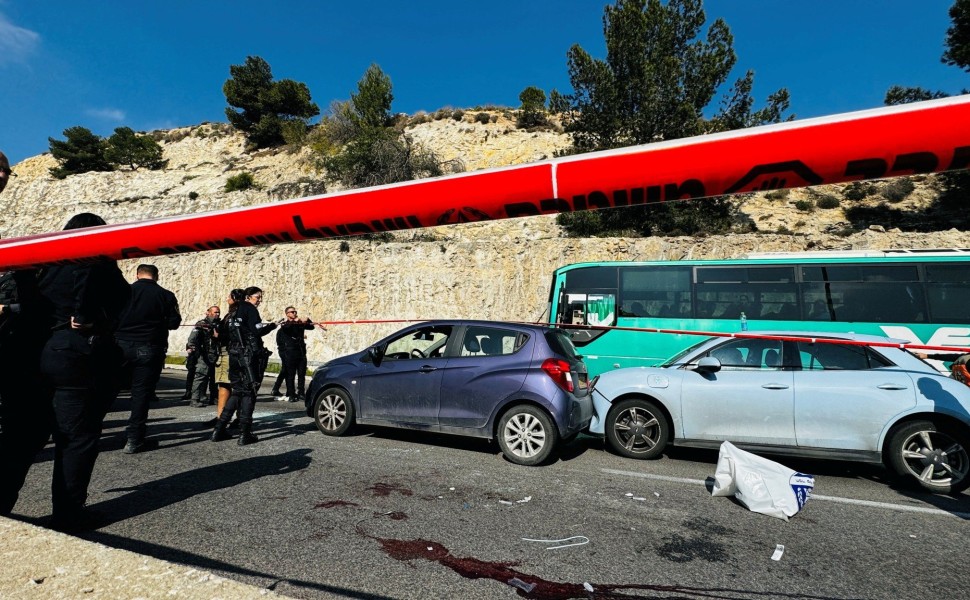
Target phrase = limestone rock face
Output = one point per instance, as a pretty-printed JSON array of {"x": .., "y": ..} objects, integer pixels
[{"x": 495, "y": 270}]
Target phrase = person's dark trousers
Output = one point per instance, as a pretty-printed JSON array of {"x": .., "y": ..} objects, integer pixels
[
  {"x": 144, "y": 361},
  {"x": 79, "y": 415},
  {"x": 27, "y": 421},
  {"x": 204, "y": 383},
  {"x": 243, "y": 396},
  {"x": 293, "y": 368},
  {"x": 191, "y": 366},
  {"x": 299, "y": 369},
  {"x": 84, "y": 374},
  {"x": 280, "y": 379}
]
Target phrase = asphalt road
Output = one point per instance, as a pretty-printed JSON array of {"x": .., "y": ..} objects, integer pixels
[{"x": 387, "y": 514}]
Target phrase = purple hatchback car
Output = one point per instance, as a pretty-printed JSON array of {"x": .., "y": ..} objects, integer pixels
[{"x": 521, "y": 384}]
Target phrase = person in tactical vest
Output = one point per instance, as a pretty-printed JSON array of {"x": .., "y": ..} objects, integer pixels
[
  {"x": 206, "y": 347},
  {"x": 246, "y": 361}
]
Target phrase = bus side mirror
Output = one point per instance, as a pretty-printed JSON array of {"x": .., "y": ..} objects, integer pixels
[{"x": 708, "y": 364}]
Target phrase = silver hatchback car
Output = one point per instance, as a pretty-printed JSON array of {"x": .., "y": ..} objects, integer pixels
[{"x": 786, "y": 395}]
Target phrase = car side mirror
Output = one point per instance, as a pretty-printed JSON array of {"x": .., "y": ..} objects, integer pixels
[
  {"x": 708, "y": 364},
  {"x": 376, "y": 355}
]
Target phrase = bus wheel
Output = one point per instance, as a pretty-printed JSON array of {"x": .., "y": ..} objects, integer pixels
[
  {"x": 937, "y": 459},
  {"x": 636, "y": 428}
]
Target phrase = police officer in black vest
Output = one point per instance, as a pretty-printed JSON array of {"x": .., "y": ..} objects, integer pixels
[{"x": 244, "y": 330}]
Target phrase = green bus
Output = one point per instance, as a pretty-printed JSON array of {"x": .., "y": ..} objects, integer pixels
[{"x": 922, "y": 296}]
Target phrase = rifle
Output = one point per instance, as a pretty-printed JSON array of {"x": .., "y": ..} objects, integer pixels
[{"x": 247, "y": 357}]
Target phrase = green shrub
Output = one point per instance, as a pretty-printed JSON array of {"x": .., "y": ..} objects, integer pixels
[
  {"x": 782, "y": 230},
  {"x": 804, "y": 205},
  {"x": 240, "y": 182},
  {"x": 858, "y": 190},
  {"x": 483, "y": 118},
  {"x": 458, "y": 115},
  {"x": 193, "y": 195},
  {"x": 897, "y": 190},
  {"x": 778, "y": 194},
  {"x": 828, "y": 201},
  {"x": 344, "y": 246}
]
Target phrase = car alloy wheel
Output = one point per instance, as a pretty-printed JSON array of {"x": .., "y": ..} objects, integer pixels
[
  {"x": 636, "y": 428},
  {"x": 938, "y": 460},
  {"x": 527, "y": 435},
  {"x": 334, "y": 412}
]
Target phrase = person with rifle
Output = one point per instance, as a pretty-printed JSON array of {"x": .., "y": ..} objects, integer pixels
[{"x": 246, "y": 354}]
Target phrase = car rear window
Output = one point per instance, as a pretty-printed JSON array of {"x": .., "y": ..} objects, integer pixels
[{"x": 560, "y": 343}]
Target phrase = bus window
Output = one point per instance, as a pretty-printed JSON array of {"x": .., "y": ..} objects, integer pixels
[
  {"x": 889, "y": 302},
  {"x": 948, "y": 292},
  {"x": 662, "y": 292},
  {"x": 755, "y": 300}
]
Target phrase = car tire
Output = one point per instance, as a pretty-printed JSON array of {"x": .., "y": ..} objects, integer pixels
[
  {"x": 527, "y": 435},
  {"x": 637, "y": 428},
  {"x": 333, "y": 412},
  {"x": 937, "y": 459}
]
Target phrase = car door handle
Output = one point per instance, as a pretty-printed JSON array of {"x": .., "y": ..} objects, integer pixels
[
  {"x": 891, "y": 386},
  {"x": 427, "y": 369},
  {"x": 775, "y": 386}
]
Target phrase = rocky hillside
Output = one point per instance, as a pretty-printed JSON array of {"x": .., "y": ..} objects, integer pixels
[{"x": 497, "y": 270}]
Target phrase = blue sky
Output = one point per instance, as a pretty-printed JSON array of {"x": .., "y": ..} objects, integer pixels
[{"x": 151, "y": 65}]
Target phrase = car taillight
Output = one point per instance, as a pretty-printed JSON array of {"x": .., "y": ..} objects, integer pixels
[{"x": 558, "y": 370}]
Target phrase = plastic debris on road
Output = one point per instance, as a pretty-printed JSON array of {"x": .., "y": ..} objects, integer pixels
[
  {"x": 522, "y": 585},
  {"x": 762, "y": 485},
  {"x": 779, "y": 550}
]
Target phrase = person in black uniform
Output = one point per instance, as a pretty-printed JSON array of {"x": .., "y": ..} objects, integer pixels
[
  {"x": 244, "y": 330},
  {"x": 291, "y": 344},
  {"x": 74, "y": 309},
  {"x": 206, "y": 347},
  {"x": 26, "y": 414},
  {"x": 143, "y": 338}
]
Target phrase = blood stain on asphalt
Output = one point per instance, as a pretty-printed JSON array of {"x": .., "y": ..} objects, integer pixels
[
  {"x": 543, "y": 589},
  {"x": 335, "y": 503},
  {"x": 394, "y": 516},
  {"x": 385, "y": 489}
]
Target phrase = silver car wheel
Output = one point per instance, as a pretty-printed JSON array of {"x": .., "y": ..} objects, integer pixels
[
  {"x": 524, "y": 435},
  {"x": 637, "y": 429},
  {"x": 934, "y": 458},
  {"x": 334, "y": 412}
]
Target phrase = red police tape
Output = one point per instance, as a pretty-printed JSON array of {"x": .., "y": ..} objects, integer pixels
[
  {"x": 921, "y": 137},
  {"x": 819, "y": 339}
]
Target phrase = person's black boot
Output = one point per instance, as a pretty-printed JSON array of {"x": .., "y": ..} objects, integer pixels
[
  {"x": 220, "y": 434},
  {"x": 246, "y": 435}
]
